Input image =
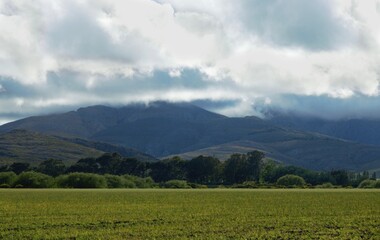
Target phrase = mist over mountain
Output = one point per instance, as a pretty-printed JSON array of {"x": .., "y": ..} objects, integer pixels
[{"x": 162, "y": 129}]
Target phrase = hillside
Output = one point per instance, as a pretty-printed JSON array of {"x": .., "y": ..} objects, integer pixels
[
  {"x": 332, "y": 153},
  {"x": 33, "y": 147},
  {"x": 366, "y": 131},
  {"x": 163, "y": 129}
]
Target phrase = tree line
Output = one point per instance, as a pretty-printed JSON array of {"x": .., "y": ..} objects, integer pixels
[{"x": 239, "y": 170}]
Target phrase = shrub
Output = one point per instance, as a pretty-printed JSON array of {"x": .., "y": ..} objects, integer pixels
[
  {"x": 129, "y": 184},
  {"x": 325, "y": 185},
  {"x": 369, "y": 184},
  {"x": 34, "y": 180},
  {"x": 147, "y": 182},
  {"x": 196, "y": 185},
  {"x": 141, "y": 182},
  {"x": 82, "y": 180},
  {"x": 114, "y": 181},
  {"x": 250, "y": 184},
  {"x": 246, "y": 184},
  {"x": 4, "y": 185},
  {"x": 176, "y": 184},
  {"x": 291, "y": 180},
  {"x": 8, "y": 178}
]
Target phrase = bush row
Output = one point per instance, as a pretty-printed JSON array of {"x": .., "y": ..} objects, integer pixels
[
  {"x": 32, "y": 179},
  {"x": 369, "y": 184},
  {"x": 73, "y": 180},
  {"x": 235, "y": 171}
]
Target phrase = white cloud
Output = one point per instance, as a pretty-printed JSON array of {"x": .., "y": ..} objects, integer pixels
[{"x": 72, "y": 53}]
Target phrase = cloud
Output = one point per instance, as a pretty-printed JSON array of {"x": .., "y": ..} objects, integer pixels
[{"x": 57, "y": 55}]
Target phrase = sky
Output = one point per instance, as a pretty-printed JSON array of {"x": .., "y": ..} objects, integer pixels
[{"x": 241, "y": 57}]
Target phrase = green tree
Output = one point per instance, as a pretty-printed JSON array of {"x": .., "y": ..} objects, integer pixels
[{"x": 267, "y": 171}]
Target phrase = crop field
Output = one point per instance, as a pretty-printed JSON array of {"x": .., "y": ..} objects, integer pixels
[{"x": 189, "y": 214}]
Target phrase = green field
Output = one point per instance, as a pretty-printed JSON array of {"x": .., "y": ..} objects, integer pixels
[{"x": 189, "y": 214}]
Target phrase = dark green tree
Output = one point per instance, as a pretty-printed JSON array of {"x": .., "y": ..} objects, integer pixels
[
  {"x": 19, "y": 167},
  {"x": 255, "y": 163},
  {"x": 132, "y": 166},
  {"x": 235, "y": 169},
  {"x": 340, "y": 177},
  {"x": 168, "y": 169},
  {"x": 373, "y": 176},
  {"x": 203, "y": 169},
  {"x": 52, "y": 167},
  {"x": 109, "y": 163},
  {"x": 85, "y": 165},
  {"x": 4, "y": 168},
  {"x": 243, "y": 167}
]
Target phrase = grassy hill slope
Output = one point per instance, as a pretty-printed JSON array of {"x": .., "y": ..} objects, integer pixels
[{"x": 33, "y": 147}]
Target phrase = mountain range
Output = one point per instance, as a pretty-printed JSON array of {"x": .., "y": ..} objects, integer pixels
[{"x": 163, "y": 129}]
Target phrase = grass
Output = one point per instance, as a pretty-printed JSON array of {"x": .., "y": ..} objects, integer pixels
[{"x": 189, "y": 214}]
